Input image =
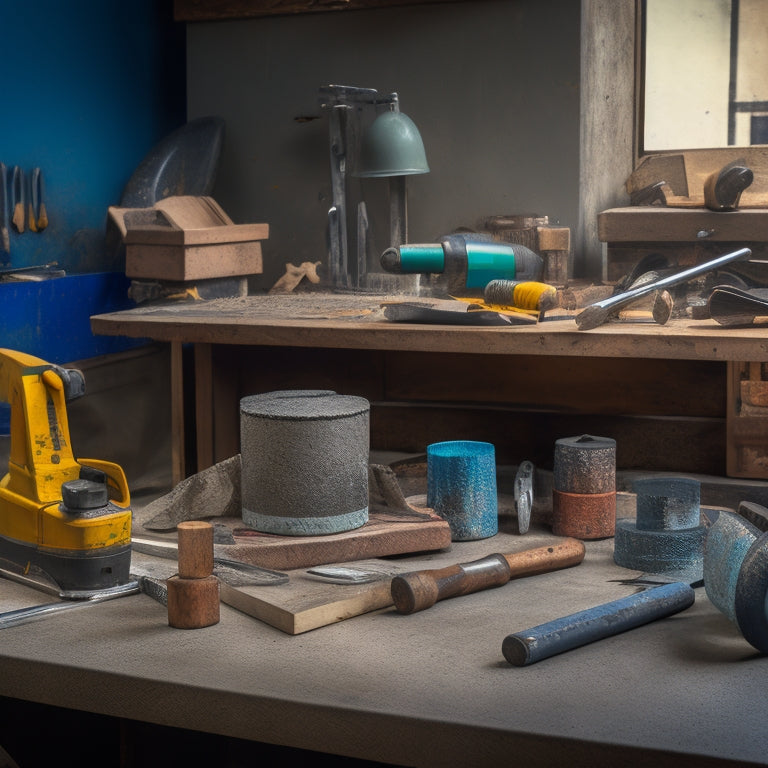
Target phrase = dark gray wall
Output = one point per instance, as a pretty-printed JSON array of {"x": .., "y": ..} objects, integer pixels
[{"x": 493, "y": 87}]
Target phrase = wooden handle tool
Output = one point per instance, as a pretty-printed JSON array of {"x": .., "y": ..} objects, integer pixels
[{"x": 418, "y": 590}]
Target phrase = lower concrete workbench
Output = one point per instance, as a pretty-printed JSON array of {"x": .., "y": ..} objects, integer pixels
[{"x": 427, "y": 689}]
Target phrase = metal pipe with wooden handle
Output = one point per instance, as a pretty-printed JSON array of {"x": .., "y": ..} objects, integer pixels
[{"x": 418, "y": 590}]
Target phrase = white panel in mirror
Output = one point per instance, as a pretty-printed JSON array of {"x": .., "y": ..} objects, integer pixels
[{"x": 699, "y": 92}]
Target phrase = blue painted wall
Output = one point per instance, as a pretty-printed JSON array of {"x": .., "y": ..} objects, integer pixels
[{"x": 89, "y": 87}]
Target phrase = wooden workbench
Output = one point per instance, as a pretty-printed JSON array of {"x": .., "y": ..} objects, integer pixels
[{"x": 661, "y": 391}]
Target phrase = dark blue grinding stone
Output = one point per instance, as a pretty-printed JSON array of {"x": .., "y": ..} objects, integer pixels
[
  {"x": 660, "y": 551},
  {"x": 667, "y": 504},
  {"x": 728, "y": 540},
  {"x": 751, "y": 603},
  {"x": 461, "y": 487}
]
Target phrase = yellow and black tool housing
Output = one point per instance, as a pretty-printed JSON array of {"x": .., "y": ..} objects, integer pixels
[{"x": 67, "y": 518}]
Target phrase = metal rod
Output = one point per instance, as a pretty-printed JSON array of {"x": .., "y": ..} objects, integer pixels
[{"x": 596, "y": 314}]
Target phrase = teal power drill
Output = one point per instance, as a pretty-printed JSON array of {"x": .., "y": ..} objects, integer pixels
[{"x": 466, "y": 263}]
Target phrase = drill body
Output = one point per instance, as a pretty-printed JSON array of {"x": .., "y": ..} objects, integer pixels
[{"x": 463, "y": 264}]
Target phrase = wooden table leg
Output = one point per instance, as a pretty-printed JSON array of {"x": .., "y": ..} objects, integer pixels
[
  {"x": 177, "y": 413},
  {"x": 204, "y": 406}
]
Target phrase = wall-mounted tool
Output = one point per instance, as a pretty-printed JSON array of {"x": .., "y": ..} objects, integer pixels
[
  {"x": 723, "y": 188},
  {"x": 418, "y": 590},
  {"x": 578, "y": 629},
  {"x": 66, "y": 520},
  {"x": 600, "y": 312},
  {"x": 465, "y": 262},
  {"x": 5, "y": 240},
  {"x": 38, "y": 217},
  {"x": 17, "y": 198}
]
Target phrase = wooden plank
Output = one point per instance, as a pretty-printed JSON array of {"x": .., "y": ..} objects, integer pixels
[
  {"x": 223, "y": 235},
  {"x": 193, "y": 262},
  {"x": 640, "y": 224},
  {"x": 571, "y": 385},
  {"x": 663, "y": 444},
  {"x": 216, "y": 10},
  {"x": 317, "y": 605},
  {"x": 288, "y": 321},
  {"x": 606, "y": 145}
]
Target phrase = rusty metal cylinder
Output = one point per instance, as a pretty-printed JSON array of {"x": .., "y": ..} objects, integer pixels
[{"x": 584, "y": 491}]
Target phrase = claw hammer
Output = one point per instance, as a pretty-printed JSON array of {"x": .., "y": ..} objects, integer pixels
[{"x": 418, "y": 590}]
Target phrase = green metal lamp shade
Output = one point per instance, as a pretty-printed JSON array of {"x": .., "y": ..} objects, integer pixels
[{"x": 392, "y": 147}]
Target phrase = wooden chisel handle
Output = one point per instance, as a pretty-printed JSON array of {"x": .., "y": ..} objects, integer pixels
[{"x": 418, "y": 590}]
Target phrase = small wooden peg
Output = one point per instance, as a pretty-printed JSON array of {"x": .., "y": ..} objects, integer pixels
[
  {"x": 195, "y": 549},
  {"x": 193, "y": 594}
]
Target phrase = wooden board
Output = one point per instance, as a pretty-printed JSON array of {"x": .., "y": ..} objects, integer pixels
[
  {"x": 305, "y": 604},
  {"x": 383, "y": 535}
]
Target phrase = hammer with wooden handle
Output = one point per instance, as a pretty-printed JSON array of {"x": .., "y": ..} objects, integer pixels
[{"x": 418, "y": 590}]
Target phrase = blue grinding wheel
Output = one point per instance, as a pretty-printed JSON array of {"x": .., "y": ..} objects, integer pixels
[{"x": 752, "y": 593}]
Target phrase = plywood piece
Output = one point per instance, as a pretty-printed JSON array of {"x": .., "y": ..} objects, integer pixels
[
  {"x": 384, "y": 534},
  {"x": 310, "y": 606}
]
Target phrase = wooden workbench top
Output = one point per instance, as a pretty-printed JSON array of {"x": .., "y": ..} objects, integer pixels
[{"x": 354, "y": 321}]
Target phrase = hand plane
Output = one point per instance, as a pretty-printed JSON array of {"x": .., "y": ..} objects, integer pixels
[{"x": 64, "y": 522}]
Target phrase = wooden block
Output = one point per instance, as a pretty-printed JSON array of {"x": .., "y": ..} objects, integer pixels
[
  {"x": 193, "y": 603},
  {"x": 184, "y": 238},
  {"x": 181, "y": 263},
  {"x": 195, "y": 549},
  {"x": 554, "y": 238}
]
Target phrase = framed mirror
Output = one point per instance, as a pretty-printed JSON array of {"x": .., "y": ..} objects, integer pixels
[{"x": 704, "y": 81}]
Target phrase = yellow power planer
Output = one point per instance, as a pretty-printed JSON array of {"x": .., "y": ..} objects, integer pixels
[{"x": 64, "y": 522}]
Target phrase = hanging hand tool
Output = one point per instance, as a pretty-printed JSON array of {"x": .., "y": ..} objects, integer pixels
[
  {"x": 598, "y": 313},
  {"x": 468, "y": 262},
  {"x": 5, "y": 240},
  {"x": 65, "y": 518},
  {"x": 545, "y": 640},
  {"x": 39, "y": 213},
  {"x": 17, "y": 198},
  {"x": 31, "y": 197},
  {"x": 419, "y": 590}
]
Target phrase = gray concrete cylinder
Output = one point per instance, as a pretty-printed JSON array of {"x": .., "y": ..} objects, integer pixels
[{"x": 304, "y": 462}]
